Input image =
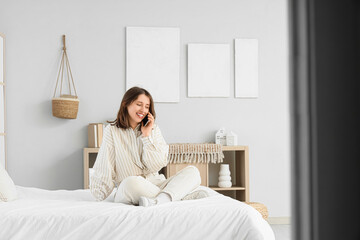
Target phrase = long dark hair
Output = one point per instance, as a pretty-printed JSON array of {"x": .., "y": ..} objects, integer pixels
[{"x": 122, "y": 119}]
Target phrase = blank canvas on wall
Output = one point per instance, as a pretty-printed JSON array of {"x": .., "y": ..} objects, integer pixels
[
  {"x": 246, "y": 68},
  {"x": 153, "y": 61},
  {"x": 208, "y": 70}
]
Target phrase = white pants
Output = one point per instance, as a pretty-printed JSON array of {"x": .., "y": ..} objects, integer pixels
[{"x": 177, "y": 186}]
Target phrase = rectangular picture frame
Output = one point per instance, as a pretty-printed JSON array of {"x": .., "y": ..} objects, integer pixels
[{"x": 153, "y": 61}]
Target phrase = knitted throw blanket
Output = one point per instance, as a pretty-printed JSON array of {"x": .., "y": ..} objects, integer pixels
[{"x": 195, "y": 153}]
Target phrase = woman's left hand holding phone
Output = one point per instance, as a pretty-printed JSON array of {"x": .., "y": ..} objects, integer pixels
[{"x": 146, "y": 131}]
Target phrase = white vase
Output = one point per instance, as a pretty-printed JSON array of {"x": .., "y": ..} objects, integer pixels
[
  {"x": 224, "y": 176},
  {"x": 224, "y": 184}
]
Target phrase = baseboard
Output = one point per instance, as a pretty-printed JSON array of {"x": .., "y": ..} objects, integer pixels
[{"x": 279, "y": 220}]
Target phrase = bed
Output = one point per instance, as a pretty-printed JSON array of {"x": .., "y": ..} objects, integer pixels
[{"x": 64, "y": 214}]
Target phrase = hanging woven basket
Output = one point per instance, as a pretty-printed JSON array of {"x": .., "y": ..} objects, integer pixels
[{"x": 66, "y": 105}]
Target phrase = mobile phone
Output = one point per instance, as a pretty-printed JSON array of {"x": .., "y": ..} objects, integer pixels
[{"x": 145, "y": 120}]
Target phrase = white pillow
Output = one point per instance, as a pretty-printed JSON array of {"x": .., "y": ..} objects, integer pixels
[{"x": 7, "y": 186}]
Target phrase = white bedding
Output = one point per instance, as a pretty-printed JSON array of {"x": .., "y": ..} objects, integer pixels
[{"x": 43, "y": 214}]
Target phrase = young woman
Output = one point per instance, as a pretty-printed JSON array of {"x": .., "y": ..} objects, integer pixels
[{"x": 131, "y": 155}]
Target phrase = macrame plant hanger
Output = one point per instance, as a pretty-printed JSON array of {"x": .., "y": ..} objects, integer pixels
[{"x": 67, "y": 105}]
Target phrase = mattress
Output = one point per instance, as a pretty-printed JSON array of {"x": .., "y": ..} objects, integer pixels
[{"x": 64, "y": 214}]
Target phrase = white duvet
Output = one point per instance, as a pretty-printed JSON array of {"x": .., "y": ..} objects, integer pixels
[{"x": 43, "y": 214}]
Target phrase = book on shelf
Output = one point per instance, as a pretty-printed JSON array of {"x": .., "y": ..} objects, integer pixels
[{"x": 95, "y": 134}]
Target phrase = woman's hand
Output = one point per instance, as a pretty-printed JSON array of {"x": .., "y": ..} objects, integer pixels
[{"x": 146, "y": 131}]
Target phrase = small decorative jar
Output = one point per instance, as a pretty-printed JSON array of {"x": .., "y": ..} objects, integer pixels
[
  {"x": 231, "y": 139},
  {"x": 220, "y": 137},
  {"x": 224, "y": 176}
]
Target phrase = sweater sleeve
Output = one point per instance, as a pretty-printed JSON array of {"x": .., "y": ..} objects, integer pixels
[
  {"x": 155, "y": 151},
  {"x": 102, "y": 182}
]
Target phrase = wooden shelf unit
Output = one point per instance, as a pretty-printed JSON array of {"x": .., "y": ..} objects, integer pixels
[
  {"x": 240, "y": 190},
  {"x": 241, "y": 173}
]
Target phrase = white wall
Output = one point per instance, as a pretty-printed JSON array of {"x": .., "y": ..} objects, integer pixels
[{"x": 46, "y": 152}]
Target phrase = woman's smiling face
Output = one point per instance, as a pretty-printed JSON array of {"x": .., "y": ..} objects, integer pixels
[{"x": 138, "y": 109}]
